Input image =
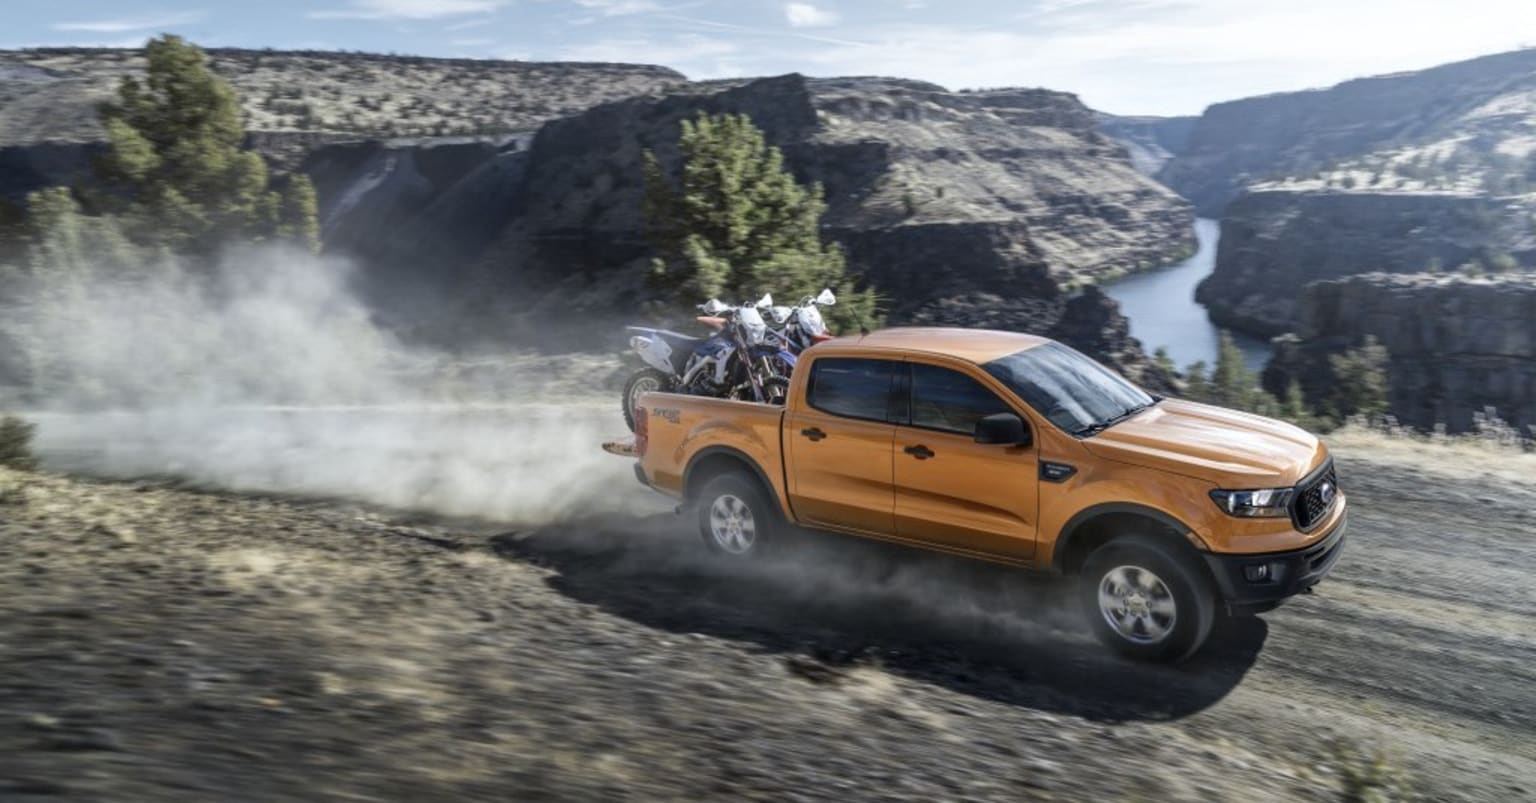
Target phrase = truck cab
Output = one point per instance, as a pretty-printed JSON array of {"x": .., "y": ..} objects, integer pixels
[{"x": 1014, "y": 449}]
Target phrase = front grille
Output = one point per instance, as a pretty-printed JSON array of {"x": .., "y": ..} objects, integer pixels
[{"x": 1314, "y": 497}]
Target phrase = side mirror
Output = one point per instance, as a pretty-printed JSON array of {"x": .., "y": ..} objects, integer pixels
[
  {"x": 826, "y": 299},
  {"x": 1003, "y": 428}
]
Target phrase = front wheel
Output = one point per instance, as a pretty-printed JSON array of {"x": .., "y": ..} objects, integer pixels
[
  {"x": 646, "y": 380},
  {"x": 1146, "y": 597},
  {"x": 776, "y": 390}
]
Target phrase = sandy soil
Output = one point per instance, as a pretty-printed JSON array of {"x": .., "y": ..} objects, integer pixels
[{"x": 162, "y": 643}]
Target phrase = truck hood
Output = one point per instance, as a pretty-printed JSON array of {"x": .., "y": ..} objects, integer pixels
[{"x": 1225, "y": 447}]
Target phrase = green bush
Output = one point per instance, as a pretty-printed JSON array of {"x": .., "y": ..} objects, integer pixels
[{"x": 16, "y": 443}]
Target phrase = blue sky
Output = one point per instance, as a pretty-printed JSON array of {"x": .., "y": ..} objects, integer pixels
[{"x": 1123, "y": 56}]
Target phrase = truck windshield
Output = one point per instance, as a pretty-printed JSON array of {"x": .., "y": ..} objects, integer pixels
[{"x": 1071, "y": 390}]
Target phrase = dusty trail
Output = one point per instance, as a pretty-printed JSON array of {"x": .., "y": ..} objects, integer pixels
[{"x": 159, "y": 643}]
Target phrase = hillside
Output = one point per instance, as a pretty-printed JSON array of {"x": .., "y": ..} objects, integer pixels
[
  {"x": 1467, "y": 127},
  {"x": 51, "y": 94},
  {"x": 1433, "y": 170}
]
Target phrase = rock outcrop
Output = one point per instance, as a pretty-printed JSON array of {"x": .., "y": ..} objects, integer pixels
[
  {"x": 1273, "y": 243},
  {"x": 1457, "y": 344},
  {"x": 960, "y": 208}
]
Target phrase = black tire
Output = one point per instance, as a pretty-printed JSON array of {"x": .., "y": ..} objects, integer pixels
[
  {"x": 776, "y": 390},
  {"x": 641, "y": 382},
  {"x": 1158, "y": 602},
  {"x": 738, "y": 498}
]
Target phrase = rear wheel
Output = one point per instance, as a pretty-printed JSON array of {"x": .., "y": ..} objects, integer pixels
[
  {"x": 1147, "y": 598},
  {"x": 646, "y": 380},
  {"x": 735, "y": 517}
]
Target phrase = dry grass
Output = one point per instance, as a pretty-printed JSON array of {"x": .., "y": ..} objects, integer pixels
[{"x": 1493, "y": 447}]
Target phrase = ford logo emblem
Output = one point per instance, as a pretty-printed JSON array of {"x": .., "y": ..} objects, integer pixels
[{"x": 1326, "y": 492}]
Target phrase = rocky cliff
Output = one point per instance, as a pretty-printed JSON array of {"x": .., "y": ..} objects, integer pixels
[
  {"x": 295, "y": 101},
  {"x": 1392, "y": 130},
  {"x": 1458, "y": 344},
  {"x": 960, "y": 208},
  {"x": 1275, "y": 242}
]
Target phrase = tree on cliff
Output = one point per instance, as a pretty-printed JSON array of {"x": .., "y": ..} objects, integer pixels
[
  {"x": 176, "y": 163},
  {"x": 735, "y": 224},
  {"x": 1360, "y": 379}
]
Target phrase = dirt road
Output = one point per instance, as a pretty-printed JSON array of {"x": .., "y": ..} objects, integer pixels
[{"x": 158, "y": 643}]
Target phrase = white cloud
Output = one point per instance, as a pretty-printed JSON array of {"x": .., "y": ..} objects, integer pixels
[
  {"x": 805, "y": 15},
  {"x": 140, "y": 23},
  {"x": 468, "y": 24},
  {"x": 406, "y": 9},
  {"x": 477, "y": 41},
  {"x": 619, "y": 8},
  {"x": 1160, "y": 56}
]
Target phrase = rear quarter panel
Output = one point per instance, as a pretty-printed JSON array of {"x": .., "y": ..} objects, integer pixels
[{"x": 679, "y": 427}]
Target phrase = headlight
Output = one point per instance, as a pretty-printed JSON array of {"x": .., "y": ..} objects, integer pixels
[{"x": 1270, "y": 503}]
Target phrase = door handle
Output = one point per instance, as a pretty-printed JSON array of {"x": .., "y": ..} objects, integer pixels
[
  {"x": 813, "y": 433},
  {"x": 919, "y": 451}
]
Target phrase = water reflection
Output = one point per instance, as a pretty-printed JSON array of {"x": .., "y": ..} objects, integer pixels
[{"x": 1161, "y": 306}]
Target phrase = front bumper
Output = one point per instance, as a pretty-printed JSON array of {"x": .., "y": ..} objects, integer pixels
[{"x": 1285, "y": 573}]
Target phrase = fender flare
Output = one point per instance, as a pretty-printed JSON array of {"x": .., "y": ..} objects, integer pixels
[
  {"x": 1075, "y": 524},
  {"x": 738, "y": 455}
]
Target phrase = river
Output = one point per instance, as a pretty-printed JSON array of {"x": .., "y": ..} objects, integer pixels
[{"x": 1161, "y": 306}]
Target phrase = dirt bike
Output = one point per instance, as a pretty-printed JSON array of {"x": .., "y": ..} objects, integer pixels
[{"x": 738, "y": 361}]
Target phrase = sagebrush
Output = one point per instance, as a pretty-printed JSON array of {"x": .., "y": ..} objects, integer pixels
[{"x": 16, "y": 443}]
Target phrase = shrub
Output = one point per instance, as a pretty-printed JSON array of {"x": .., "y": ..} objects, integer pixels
[
  {"x": 16, "y": 443},
  {"x": 1370, "y": 779}
]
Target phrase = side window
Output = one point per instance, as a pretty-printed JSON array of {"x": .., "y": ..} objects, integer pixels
[
  {"x": 852, "y": 388},
  {"x": 950, "y": 401}
]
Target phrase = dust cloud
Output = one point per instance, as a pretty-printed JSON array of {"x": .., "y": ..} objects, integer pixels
[{"x": 268, "y": 374}]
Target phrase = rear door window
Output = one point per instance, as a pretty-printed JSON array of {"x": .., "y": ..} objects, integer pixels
[{"x": 853, "y": 388}]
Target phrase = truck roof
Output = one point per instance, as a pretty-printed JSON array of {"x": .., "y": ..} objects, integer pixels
[{"x": 973, "y": 345}]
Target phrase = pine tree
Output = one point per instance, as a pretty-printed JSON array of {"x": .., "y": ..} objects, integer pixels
[
  {"x": 1196, "y": 386},
  {"x": 1232, "y": 384},
  {"x": 299, "y": 219},
  {"x": 735, "y": 224},
  {"x": 176, "y": 164},
  {"x": 1165, "y": 361},
  {"x": 1360, "y": 379}
]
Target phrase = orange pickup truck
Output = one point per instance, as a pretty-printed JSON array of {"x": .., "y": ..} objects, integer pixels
[{"x": 1018, "y": 450}]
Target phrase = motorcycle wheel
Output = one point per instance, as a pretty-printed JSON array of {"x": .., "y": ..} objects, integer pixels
[
  {"x": 776, "y": 390},
  {"x": 646, "y": 380}
]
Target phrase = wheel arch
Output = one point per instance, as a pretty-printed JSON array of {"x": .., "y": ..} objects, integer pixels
[
  {"x": 712, "y": 461},
  {"x": 1094, "y": 526}
]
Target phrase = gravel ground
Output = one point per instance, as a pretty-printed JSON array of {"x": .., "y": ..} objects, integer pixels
[{"x": 159, "y": 642}]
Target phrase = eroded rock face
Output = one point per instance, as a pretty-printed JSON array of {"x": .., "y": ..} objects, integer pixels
[
  {"x": 952, "y": 205},
  {"x": 1274, "y": 243},
  {"x": 1457, "y": 344}
]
